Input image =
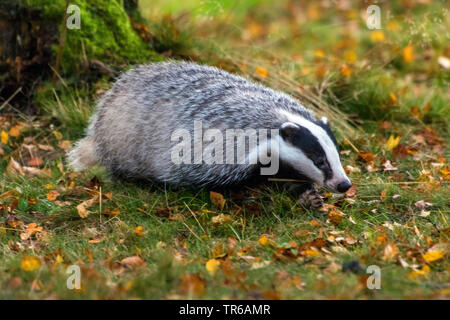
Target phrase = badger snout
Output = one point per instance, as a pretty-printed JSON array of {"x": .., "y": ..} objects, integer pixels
[{"x": 343, "y": 186}]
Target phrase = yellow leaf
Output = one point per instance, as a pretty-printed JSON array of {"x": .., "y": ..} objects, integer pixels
[
  {"x": 30, "y": 263},
  {"x": 408, "y": 54},
  {"x": 265, "y": 241},
  {"x": 212, "y": 265},
  {"x": 377, "y": 36},
  {"x": 57, "y": 134},
  {"x": 139, "y": 231},
  {"x": 319, "y": 53},
  {"x": 392, "y": 100},
  {"x": 4, "y": 137},
  {"x": 350, "y": 56},
  {"x": 392, "y": 142},
  {"x": 311, "y": 253},
  {"x": 416, "y": 273},
  {"x": 431, "y": 256},
  {"x": 393, "y": 25},
  {"x": 262, "y": 72}
]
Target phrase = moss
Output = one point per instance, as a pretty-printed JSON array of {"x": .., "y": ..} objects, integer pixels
[{"x": 106, "y": 34}]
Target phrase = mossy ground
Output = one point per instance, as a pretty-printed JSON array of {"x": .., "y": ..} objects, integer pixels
[{"x": 324, "y": 55}]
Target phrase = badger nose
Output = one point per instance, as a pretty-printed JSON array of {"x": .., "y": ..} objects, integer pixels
[{"x": 344, "y": 186}]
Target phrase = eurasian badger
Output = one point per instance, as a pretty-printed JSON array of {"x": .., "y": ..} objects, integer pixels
[{"x": 132, "y": 131}]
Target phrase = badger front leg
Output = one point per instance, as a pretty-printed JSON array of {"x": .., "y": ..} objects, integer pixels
[{"x": 308, "y": 195}]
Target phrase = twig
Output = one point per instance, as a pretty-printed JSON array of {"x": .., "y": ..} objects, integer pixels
[
  {"x": 192, "y": 232},
  {"x": 10, "y": 98},
  {"x": 194, "y": 217}
]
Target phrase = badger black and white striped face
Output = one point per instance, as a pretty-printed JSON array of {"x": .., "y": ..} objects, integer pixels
[{"x": 311, "y": 149}]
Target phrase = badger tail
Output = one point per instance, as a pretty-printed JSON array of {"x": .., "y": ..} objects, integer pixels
[{"x": 83, "y": 155}]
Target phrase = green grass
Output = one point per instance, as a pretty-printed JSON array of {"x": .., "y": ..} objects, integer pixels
[{"x": 179, "y": 233}]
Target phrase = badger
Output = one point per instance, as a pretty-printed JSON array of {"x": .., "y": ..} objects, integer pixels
[{"x": 146, "y": 122}]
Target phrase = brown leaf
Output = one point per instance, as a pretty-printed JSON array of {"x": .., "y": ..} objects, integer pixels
[
  {"x": 132, "y": 262},
  {"x": 390, "y": 252},
  {"x": 192, "y": 285},
  {"x": 82, "y": 207},
  {"x": 35, "y": 162},
  {"x": 217, "y": 199}
]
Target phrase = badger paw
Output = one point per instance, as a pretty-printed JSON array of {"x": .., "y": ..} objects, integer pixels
[{"x": 311, "y": 199}]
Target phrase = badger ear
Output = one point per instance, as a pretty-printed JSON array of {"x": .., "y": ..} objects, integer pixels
[{"x": 288, "y": 130}]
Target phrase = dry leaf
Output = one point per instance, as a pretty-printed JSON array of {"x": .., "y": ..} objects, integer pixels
[
  {"x": 30, "y": 263},
  {"x": 265, "y": 241},
  {"x": 221, "y": 219},
  {"x": 217, "y": 199},
  {"x": 4, "y": 137},
  {"x": 392, "y": 142},
  {"x": 52, "y": 195},
  {"x": 262, "y": 72},
  {"x": 132, "y": 262},
  {"x": 390, "y": 251},
  {"x": 192, "y": 284},
  {"x": 212, "y": 266},
  {"x": 408, "y": 54},
  {"x": 139, "y": 231},
  {"x": 82, "y": 207}
]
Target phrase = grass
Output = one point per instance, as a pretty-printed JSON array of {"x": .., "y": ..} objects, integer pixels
[{"x": 177, "y": 232}]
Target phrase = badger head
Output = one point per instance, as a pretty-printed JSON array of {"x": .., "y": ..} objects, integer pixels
[{"x": 310, "y": 148}]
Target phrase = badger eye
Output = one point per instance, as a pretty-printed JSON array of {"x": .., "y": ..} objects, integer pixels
[{"x": 321, "y": 163}]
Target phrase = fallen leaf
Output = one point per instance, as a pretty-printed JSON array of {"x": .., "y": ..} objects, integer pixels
[
  {"x": 392, "y": 142},
  {"x": 132, "y": 262},
  {"x": 265, "y": 241},
  {"x": 52, "y": 195},
  {"x": 221, "y": 219},
  {"x": 422, "y": 204},
  {"x": 351, "y": 192},
  {"x": 335, "y": 216},
  {"x": 377, "y": 36},
  {"x": 111, "y": 212},
  {"x": 139, "y": 231},
  {"x": 390, "y": 251},
  {"x": 388, "y": 166},
  {"x": 444, "y": 62},
  {"x": 4, "y": 137},
  {"x": 192, "y": 284},
  {"x": 433, "y": 255},
  {"x": 217, "y": 199},
  {"x": 346, "y": 71},
  {"x": 30, "y": 263},
  {"x": 212, "y": 266},
  {"x": 30, "y": 229},
  {"x": 408, "y": 54},
  {"x": 82, "y": 207},
  {"x": 262, "y": 72},
  {"x": 419, "y": 273},
  {"x": 35, "y": 162}
]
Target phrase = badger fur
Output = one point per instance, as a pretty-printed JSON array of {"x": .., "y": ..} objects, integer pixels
[{"x": 131, "y": 132}]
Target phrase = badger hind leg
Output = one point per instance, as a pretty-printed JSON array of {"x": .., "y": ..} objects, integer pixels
[{"x": 83, "y": 156}]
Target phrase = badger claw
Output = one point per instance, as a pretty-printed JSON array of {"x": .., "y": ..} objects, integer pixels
[{"x": 311, "y": 199}]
